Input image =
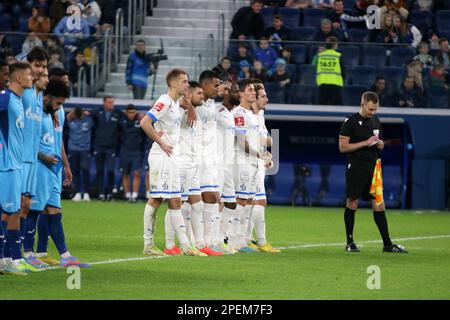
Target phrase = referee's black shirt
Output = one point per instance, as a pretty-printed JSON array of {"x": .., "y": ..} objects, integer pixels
[{"x": 360, "y": 129}]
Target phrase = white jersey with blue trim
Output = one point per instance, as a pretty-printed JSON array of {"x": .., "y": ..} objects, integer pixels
[
  {"x": 247, "y": 127},
  {"x": 225, "y": 136},
  {"x": 166, "y": 116},
  {"x": 207, "y": 126},
  {"x": 190, "y": 141},
  {"x": 263, "y": 132}
]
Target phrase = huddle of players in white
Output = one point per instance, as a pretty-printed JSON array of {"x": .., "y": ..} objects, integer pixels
[{"x": 208, "y": 161}]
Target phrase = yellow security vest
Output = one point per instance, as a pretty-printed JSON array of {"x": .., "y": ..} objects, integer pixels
[{"x": 329, "y": 68}]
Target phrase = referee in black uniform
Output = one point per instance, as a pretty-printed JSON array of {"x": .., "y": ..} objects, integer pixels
[{"x": 361, "y": 139}]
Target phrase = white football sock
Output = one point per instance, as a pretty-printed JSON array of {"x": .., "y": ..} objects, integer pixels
[
  {"x": 197, "y": 223},
  {"x": 186, "y": 213},
  {"x": 216, "y": 237},
  {"x": 236, "y": 227},
  {"x": 134, "y": 195},
  {"x": 258, "y": 218},
  {"x": 177, "y": 222},
  {"x": 208, "y": 221},
  {"x": 128, "y": 195},
  {"x": 169, "y": 232},
  {"x": 149, "y": 224},
  {"x": 225, "y": 222},
  {"x": 245, "y": 225}
]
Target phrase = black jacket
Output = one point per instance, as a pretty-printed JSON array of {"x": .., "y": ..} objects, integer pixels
[
  {"x": 248, "y": 23},
  {"x": 106, "y": 134}
]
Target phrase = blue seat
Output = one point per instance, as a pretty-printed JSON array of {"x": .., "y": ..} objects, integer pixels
[
  {"x": 362, "y": 75},
  {"x": 437, "y": 97},
  {"x": 422, "y": 19},
  {"x": 301, "y": 94},
  {"x": 275, "y": 93},
  {"x": 352, "y": 95},
  {"x": 305, "y": 33},
  {"x": 312, "y": 51},
  {"x": 350, "y": 55},
  {"x": 4, "y": 22},
  {"x": 291, "y": 17},
  {"x": 400, "y": 56},
  {"x": 358, "y": 35},
  {"x": 443, "y": 20},
  {"x": 348, "y": 4},
  {"x": 312, "y": 17},
  {"x": 374, "y": 56},
  {"x": 291, "y": 69},
  {"x": 393, "y": 75},
  {"x": 23, "y": 23},
  {"x": 268, "y": 13},
  {"x": 16, "y": 41},
  {"x": 444, "y": 34},
  {"x": 299, "y": 53},
  {"x": 307, "y": 74}
]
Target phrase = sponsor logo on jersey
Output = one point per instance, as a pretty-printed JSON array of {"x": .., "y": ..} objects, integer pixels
[
  {"x": 158, "y": 107},
  {"x": 239, "y": 121}
]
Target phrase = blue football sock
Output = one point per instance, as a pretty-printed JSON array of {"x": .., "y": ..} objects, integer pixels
[
  {"x": 2, "y": 238},
  {"x": 43, "y": 232},
  {"x": 28, "y": 243},
  {"x": 13, "y": 238},
  {"x": 6, "y": 246},
  {"x": 57, "y": 232},
  {"x": 23, "y": 228}
]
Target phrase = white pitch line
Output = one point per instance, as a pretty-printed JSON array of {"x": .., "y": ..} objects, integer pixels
[{"x": 312, "y": 245}]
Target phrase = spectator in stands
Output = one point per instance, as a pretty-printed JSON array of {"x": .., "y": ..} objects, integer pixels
[
  {"x": 406, "y": 32},
  {"x": 277, "y": 33},
  {"x": 379, "y": 87},
  {"x": 434, "y": 42},
  {"x": 423, "y": 56},
  {"x": 387, "y": 33},
  {"x": 57, "y": 10},
  {"x": 439, "y": 77},
  {"x": 4, "y": 75},
  {"x": 31, "y": 41},
  {"x": 4, "y": 45},
  {"x": 92, "y": 13},
  {"x": 248, "y": 22},
  {"x": 443, "y": 56},
  {"x": 258, "y": 71},
  {"x": 10, "y": 57},
  {"x": 409, "y": 95},
  {"x": 398, "y": 6},
  {"x": 242, "y": 54},
  {"x": 323, "y": 4},
  {"x": 339, "y": 18},
  {"x": 74, "y": 69},
  {"x": 54, "y": 47},
  {"x": 244, "y": 70},
  {"x": 280, "y": 75},
  {"x": 320, "y": 49},
  {"x": 106, "y": 138},
  {"x": 287, "y": 55},
  {"x": 55, "y": 61},
  {"x": 266, "y": 54},
  {"x": 424, "y": 4},
  {"x": 330, "y": 74},
  {"x": 39, "y": 23},
  {"x": 414, "y": 70},
  {"x": 225, "y": 71},
  {"x": 298, "y": 4},
  {"x": 70, "y": 33},
  {"x": 131, "y": 140},
  {"x": 138, "y": 70},
  {"x": 325, "y": 31},
  {"x": 80, "y": 134}
]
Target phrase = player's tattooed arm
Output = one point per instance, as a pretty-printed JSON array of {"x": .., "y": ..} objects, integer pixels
[{"x": 47, "y": 158}]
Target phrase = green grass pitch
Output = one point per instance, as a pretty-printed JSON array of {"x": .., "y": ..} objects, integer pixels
[{"x": 312, "y": 265}]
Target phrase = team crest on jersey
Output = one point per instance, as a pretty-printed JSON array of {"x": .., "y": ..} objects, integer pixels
[
  {"x": 221, "y": 109},
  {"x": 242, "y": 187},
  {"x": 165, "y": 186},
  {"x": 19, "y": 123},
  {"x": 158, "y": 107},
  {"x": 244, "y": 176},
  {"x": 239, "y": 121},
  {"x": 48, "y": 139},
  {"x": 165, "y": 174}
]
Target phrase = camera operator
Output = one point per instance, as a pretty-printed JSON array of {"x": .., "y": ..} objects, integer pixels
[{"x": 139, "y": 67}]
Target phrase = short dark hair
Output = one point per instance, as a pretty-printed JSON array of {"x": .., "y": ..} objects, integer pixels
[
  {"x": 225, "y": 58},
  {"x": 244, "y": 83},
  {"x": 174, "y": 73},
  {"x": 370, "y": 96},
  {"x": 194, "y": 84},
  {"x": 330, "y": 42},
  {"x": 37, "y": 54},
  {"x": 18, "y": 66},
  {"x": 57, "y": 72},
  {"x": 208, "y": 75},
  {"x": 258, "y": 86},
  {"x": 130, "y": 106},
  {"x": 442, "y": 40},
  {"x": 380, "y": 78},
  {"x": 107, "y": 97},
  {"x": 257, "y": 1},
  {"x": 57, "y": 88},
  {"x": 141, "y": 40},
  {"x": 278, "y": 17}
]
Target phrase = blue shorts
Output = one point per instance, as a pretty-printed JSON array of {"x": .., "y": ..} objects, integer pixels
[
  {"x": 48, "y": 191},
  {"x": 130, "y": 162},
  {"x": 29, "y": 178},
  {"x": 10, "y": 190},
  {"x": 145, "y": 161}
]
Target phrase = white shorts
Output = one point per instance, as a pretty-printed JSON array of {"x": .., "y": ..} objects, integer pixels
[
  {"x": 225, "y": 180},
  {"x": 208, "y": 179},
  {"x": 189, "y": 182},
  {"x": 260, "y": 188},
  {"x": 245, "y": 180},
  {"x": 164, "y": 176}
]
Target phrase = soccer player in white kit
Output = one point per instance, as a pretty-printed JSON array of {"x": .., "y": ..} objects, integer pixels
[
  {"x": 162, "y": 125},
  {"x": 260, "y": 200},
  {"x": 246, "y": 165}
]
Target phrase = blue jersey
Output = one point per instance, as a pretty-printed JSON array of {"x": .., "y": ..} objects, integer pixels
[
  {"x": 11, "y": 131},
  {"x": 32, "y": 106},
  {"x": 59, "y": 132},
  {"x": 47, "y": 138}
]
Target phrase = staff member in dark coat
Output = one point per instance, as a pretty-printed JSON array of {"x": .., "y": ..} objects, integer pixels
[
  {"x": 106, "y": 138},
  {"x": 361, "y": 139},
  {"x": 248, "y": 22}
]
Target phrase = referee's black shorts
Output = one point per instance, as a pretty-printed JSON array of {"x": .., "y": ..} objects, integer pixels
[{"x": 359, "y": 178}]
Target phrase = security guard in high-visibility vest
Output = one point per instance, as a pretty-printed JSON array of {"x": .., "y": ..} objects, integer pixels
[{"x": 330, "y": 74}]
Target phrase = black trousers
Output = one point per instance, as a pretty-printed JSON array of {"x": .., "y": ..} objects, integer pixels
[
  {"x": 330, "y": 94},
  {"x": 79, "y": 163},
  {"x": 139, "y": 92},
  {"x": 105, "y": 160}
]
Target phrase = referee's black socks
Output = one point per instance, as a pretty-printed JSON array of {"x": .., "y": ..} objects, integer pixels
[
  {"x": 349, "y": 218},
  {"x": 381, "y": 221}
]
